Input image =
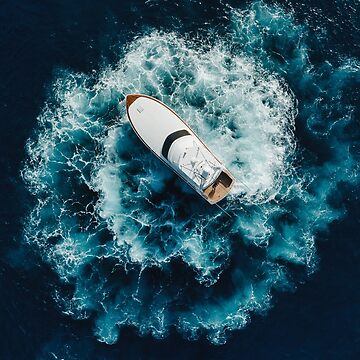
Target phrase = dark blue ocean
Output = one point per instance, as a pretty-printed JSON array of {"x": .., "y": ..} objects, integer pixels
[{"x": 106, "y": 254}]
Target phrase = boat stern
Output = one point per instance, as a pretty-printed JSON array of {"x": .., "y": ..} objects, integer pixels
[{"x": 220, "y": 188}]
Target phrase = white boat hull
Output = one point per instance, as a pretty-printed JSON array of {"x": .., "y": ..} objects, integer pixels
[{"x": 173, "y": 141}]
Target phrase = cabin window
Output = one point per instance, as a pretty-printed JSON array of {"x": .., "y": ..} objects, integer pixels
[{"x": 170, "y": 139}]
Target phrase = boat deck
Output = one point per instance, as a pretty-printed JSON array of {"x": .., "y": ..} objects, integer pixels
[{"x": 220, "y": 188}]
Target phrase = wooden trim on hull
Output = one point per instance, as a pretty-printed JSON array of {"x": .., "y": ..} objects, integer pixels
[{"x": 130, "y": 99}]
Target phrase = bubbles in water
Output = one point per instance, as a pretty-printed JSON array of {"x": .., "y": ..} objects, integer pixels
[{"x": 140, "y": 248}]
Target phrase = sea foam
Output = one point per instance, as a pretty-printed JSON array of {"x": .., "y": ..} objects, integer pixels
[{"x": 135, "y": 244}]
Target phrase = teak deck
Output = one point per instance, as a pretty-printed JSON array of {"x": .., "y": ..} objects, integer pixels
[{"x": 218, "y": 190}]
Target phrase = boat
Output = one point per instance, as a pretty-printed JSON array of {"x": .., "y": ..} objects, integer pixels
[{"x": 174, "y": 143}]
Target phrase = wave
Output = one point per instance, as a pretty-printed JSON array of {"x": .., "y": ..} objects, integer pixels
[{"x": 131, "y": 243}]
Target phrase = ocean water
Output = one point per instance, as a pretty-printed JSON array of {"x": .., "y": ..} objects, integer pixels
[{"x": 106, "y": 254}]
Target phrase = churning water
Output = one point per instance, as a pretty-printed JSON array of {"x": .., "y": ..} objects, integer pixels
[{"x": 130, "y": 242}]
